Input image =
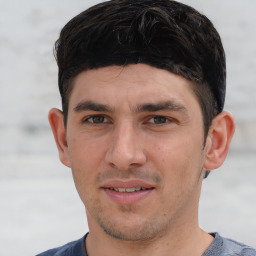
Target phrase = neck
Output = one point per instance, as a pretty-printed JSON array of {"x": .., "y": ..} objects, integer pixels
[{"x": 191, "y": 242}]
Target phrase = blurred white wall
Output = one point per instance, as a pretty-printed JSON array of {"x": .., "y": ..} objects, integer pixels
[{"x": 39, "y": 207}]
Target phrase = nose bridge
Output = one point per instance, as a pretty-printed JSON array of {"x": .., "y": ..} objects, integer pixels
[{"x": 125, "y": 148}]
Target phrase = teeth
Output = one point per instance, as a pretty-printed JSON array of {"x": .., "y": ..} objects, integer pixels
[
  {"x": 122, "y": 190},
  {"x": 127, "y": 190},
  {"x": 130, "y": 190}
]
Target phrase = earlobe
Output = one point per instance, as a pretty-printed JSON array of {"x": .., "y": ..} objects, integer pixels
[
  {"x": 218, "y": 140},
  {"x": 59, "y": 131}
]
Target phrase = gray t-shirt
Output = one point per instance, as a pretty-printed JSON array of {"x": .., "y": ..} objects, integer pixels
[
  {"x": 226, "y": 247},
  {"x": 219, "y": 247}
]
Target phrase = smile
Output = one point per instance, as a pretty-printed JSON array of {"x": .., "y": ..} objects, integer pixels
[
  {"x": 128, "y": 190},
  {"x": 128, "y": 195}
]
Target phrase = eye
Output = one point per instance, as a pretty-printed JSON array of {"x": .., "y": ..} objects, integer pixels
[
  {"x": 96, "y": 119},
  {"x": 159, "y": 120}
]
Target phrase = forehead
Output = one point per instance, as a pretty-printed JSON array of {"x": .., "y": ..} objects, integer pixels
[{"x": 131, "y": 84}]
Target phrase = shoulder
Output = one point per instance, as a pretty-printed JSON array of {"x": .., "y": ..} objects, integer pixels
[
  {"x": 75, "y": 248},
  {"x": 232, "y": 247},
  {"x": 227, "y": 247}
]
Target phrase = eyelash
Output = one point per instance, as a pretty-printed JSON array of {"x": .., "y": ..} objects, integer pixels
[
  {"x": 163, "y": 120},
  {"x": 160, "y": 118},
  {"x": 86, "y": 120}
]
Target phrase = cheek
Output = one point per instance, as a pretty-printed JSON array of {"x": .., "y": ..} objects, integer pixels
[
  {"x": 85, "y": 151},
  {"x": 178, "y": 160},
  {"x": 84, "y": 158},
  {"x": 180, "y": 168}
]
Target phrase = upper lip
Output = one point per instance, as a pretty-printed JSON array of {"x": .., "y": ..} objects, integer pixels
[{"x": 133, "y": 183}]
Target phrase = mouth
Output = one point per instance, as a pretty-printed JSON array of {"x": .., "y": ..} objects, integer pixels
[{"x": 127, "y": 192}]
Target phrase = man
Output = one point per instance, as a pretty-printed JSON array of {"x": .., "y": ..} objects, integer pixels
[{"x": 143, "y": 87}]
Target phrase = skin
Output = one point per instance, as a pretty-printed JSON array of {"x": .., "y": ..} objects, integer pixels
[{"x": 144, "y": 124}]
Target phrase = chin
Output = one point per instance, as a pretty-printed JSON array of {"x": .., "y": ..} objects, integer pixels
[{"x": 139, "y": 230}]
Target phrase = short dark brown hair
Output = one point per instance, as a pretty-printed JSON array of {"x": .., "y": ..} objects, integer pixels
[{"x": 162, "y": 33}]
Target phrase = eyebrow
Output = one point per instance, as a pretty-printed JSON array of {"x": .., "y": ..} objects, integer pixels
[
  {"x": 90, "y": 105},
  {"x": 169, "y": 105},
  {"x": 165, "y": 105}
]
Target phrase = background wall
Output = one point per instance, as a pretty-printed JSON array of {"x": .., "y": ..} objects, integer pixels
[{"x": 39, "y": 207}]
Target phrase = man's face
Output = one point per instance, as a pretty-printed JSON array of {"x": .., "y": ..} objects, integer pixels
[{"x": 135, "y": 145}]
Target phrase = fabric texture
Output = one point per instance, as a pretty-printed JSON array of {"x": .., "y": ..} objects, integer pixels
[
  {"x": 219, "y": 247},
  {"x": 226, "y": 247},
  {"x": 75, "y": 248}
]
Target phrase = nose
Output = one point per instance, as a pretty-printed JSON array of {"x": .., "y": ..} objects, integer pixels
[{"x": 125, "y": 150}]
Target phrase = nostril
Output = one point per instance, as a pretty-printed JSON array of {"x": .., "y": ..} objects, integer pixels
[
  {"x": 111, "y": 165},
  {"x": 135, "y": 165}
]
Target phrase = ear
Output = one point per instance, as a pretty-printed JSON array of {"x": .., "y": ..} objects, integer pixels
[
  {"x": 56, "y": 121},
  {"x": 218, "y": 140}
]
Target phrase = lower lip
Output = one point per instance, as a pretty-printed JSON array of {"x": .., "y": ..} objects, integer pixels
[{"x": 127, "y": 198}]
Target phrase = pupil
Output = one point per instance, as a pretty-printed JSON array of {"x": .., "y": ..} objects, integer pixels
[
  {"x": 159, "y": 119},
  {"x": 98, "y": 119}
]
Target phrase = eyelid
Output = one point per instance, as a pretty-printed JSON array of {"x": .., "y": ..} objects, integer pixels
[
  {"x": 86, "y": 119},
  {"x": 168, "y": 119}
]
